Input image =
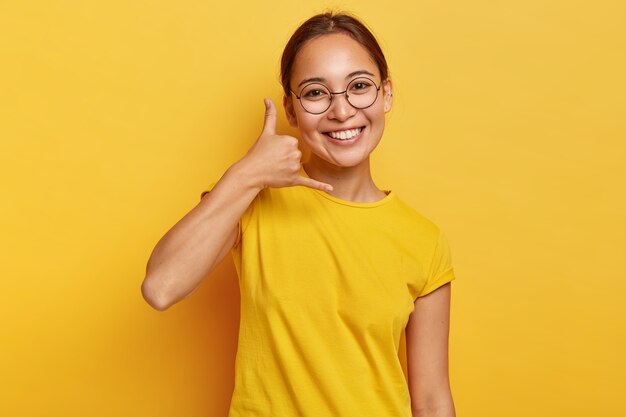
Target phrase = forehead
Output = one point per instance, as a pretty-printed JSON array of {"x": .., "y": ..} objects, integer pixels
[{"x": 331, "y": 57}]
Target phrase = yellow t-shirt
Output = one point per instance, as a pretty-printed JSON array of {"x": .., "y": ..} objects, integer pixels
[{"x": 327, "y": 287}]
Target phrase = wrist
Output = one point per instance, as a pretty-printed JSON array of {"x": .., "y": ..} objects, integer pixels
[{"x": 244, "y": 175}]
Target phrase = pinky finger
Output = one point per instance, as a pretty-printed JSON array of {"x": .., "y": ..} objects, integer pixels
[{"x": 311, "y": 183}]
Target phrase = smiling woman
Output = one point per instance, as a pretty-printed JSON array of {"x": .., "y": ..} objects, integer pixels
[{"x": 331, "y": 268}]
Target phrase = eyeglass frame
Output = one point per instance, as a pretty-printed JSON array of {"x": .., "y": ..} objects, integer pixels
[{"x": 330, "y": 102}]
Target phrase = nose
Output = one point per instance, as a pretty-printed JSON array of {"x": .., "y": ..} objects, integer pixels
[{"x": 340, "y": 108}]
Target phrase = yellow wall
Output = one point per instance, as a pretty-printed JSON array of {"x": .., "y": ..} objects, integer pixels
[{"x": 508, "y": 131}]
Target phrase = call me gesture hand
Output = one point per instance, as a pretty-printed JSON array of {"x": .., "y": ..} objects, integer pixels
[{"x": 275, "y": 159}]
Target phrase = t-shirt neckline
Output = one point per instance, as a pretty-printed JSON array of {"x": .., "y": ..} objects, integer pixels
[{"x": 390, "y": 195}]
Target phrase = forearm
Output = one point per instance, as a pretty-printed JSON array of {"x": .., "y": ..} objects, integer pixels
[
  {"x": 192, "y": 248},
  {"x": 432, "y": 398},
  {"x": 445, "y": 408}
]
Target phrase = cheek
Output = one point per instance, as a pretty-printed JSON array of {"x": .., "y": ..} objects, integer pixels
[
  {"x": 376, "y": 115},
  {"x": 307, "y": 122}
]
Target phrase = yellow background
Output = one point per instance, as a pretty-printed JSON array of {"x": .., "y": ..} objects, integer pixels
[{"x": 507, "y": 130}]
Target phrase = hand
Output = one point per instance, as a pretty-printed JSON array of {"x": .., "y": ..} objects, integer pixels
[{"x": 275, "y": 159}]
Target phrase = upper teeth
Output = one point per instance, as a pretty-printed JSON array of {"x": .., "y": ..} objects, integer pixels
[{"x": 345, "y": 134}]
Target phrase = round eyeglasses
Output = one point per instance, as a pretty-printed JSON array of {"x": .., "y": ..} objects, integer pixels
[{"x": 316, "y": 98}]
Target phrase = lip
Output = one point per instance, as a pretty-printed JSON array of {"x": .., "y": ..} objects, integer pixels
[{"x": 345, "y": 142}]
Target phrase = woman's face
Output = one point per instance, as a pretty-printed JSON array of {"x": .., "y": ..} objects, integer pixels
[{"x": 334, "y": 60}]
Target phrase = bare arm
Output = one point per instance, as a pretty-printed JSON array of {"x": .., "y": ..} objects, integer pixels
[
  {"x": 427, "y": 355},
  {"x": 194, "y": 246}
]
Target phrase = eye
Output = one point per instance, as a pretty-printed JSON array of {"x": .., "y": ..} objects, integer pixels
[
  {"x": 360, "y": 86},
  {"x": 313, "y": 93}
]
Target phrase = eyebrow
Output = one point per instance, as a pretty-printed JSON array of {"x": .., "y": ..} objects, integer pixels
[{"x": 321, "y": 80}]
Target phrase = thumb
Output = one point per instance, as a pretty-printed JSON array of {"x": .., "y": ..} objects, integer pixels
[{"x": 269, "y": 124}]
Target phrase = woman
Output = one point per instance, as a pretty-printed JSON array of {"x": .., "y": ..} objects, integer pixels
[{"x": 331, "y": 268}]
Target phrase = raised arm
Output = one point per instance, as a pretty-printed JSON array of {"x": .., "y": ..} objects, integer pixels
[
  {"x": 427, "y": 355},
  {"x": 194, "y": 246}
]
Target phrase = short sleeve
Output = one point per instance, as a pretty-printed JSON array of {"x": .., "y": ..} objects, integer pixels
[{"x": 441, "y": 271}]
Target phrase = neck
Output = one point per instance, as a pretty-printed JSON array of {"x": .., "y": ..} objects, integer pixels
[{"x": 349, "y": 183}]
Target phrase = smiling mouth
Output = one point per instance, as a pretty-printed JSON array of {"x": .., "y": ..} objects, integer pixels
[{"x": 345, "y": 134}]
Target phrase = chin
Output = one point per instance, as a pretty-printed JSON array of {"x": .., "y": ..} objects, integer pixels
[{"x": 340, "y": 159}]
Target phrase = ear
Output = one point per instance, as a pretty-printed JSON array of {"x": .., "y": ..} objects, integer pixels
[
  {"x": 387, "y": 94},
  {"x": 289, "y": 111}
]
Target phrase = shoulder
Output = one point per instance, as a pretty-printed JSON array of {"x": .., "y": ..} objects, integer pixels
[{"x": 413, "y": 219}]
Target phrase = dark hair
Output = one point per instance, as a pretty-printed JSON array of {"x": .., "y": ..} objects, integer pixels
[{"x": 323, "y": 24}]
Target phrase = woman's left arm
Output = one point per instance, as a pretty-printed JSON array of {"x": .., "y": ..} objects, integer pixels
[{"x": 427, "y": 355}]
